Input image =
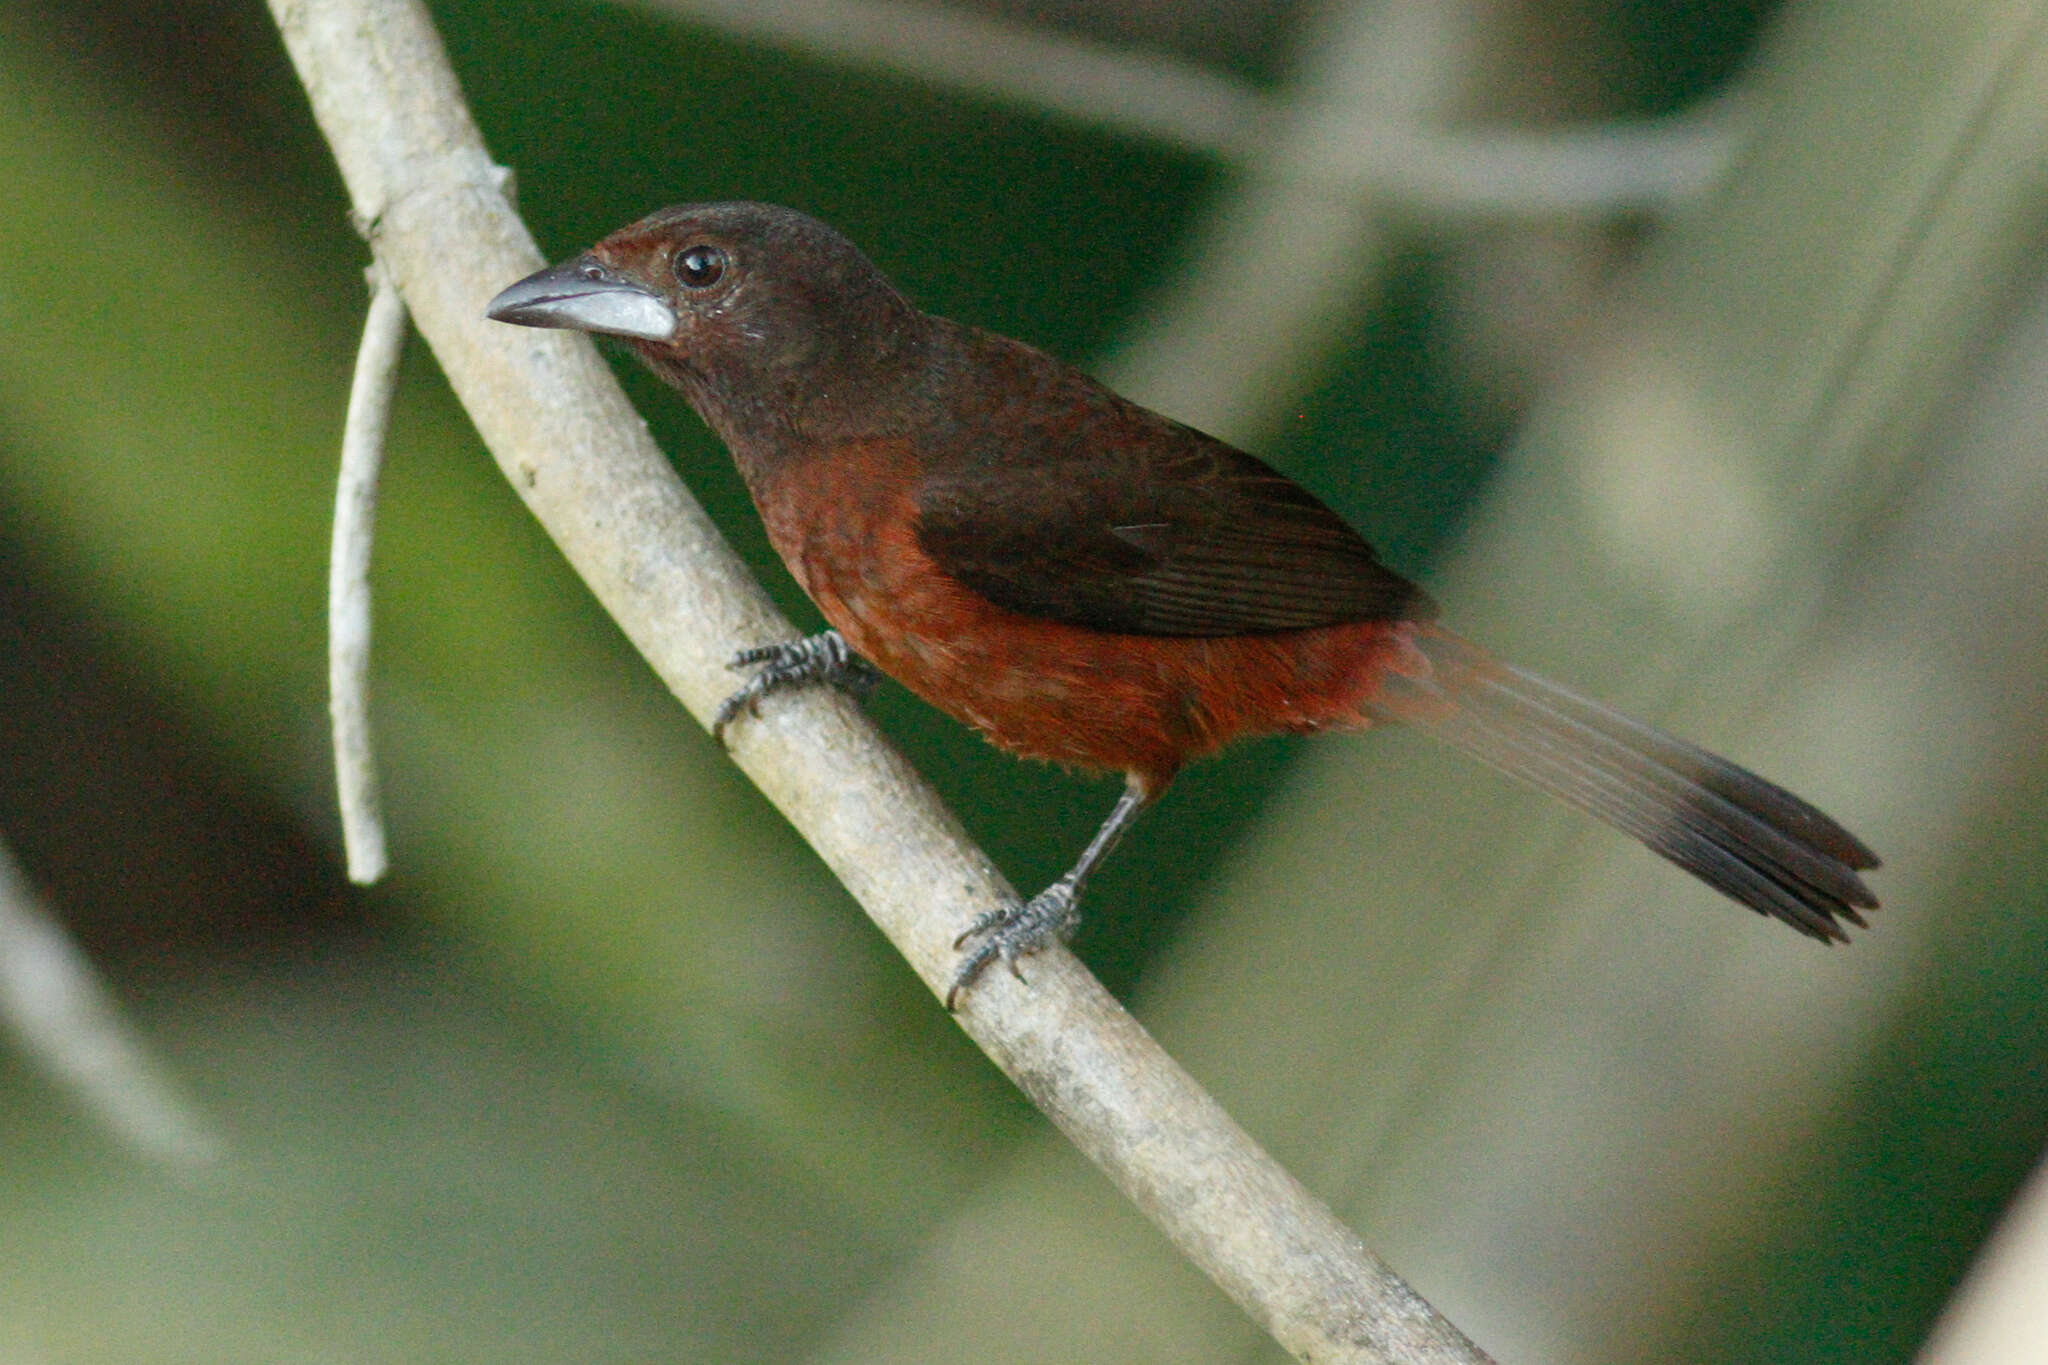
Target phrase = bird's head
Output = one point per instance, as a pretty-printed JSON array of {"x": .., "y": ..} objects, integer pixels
[{"x": 731, "y": 302}]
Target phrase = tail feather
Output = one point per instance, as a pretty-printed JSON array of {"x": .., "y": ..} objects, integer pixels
[
  {"x": 1739, "y": 786},
  {"x": 1747, "y": 838}
]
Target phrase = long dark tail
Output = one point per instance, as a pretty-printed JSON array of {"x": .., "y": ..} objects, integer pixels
[{"x": 1747, "y": 838}]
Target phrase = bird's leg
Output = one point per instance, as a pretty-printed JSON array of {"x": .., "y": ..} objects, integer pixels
[
  {"x": 795, "y": 663},
  {"x": 1012, "y": 930}
]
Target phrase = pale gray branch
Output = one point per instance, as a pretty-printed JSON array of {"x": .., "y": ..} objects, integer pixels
[
  {"x": 1427, "y": 169},
  {"x": 1229, "y": 347},
  {"x": 950, "y": 48},
  {"x": 58, "y": 1008},
  {"x": 564, "y": 435},
  {"x": 1999, "y": 1315},
  {"x": 348, "y": 579}
]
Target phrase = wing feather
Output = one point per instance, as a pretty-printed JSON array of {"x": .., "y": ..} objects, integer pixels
[{"x": 1130, "y": 523}]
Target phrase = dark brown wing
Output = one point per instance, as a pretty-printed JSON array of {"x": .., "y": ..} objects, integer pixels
[{"x": 1114, "y": 518}]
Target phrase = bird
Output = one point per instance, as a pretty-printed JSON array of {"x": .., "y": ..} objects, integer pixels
[{"x": 1088, "y": 582}]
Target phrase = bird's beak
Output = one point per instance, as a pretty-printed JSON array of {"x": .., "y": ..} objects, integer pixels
[{"x": 585, "y": 296}]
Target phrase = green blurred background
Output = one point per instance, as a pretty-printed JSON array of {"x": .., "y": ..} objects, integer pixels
[{"x": 609, "y": 1069}]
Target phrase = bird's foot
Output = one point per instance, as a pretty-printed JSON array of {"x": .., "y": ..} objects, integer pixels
[
  {"x": 794, "y": 663},
  {"x": 1013, "y": 930}
]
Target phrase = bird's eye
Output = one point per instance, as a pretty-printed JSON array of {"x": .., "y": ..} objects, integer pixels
[{"x": 699, "y": 267}]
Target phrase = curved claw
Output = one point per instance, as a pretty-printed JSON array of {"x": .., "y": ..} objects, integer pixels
[
  {"x": 747, "y": 699},
  {"x": 794, "y": 663},
  {"x": 1013, "y": 930}
]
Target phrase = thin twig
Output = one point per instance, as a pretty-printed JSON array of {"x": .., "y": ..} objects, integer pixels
[
  {"x": 1140, "y": 94},
  {"x": 348, "y": 579},
  {"x": 1227, "y": 347},
  {"x": 64, "y": 1015},
  {"x": 573, "y": 448},
  {"x": 1428, "y": 171}
]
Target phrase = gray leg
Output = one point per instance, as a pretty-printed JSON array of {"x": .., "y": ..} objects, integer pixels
[
  {"x": 797, "y": 663},
  {"x": 1050, "y": 916}
]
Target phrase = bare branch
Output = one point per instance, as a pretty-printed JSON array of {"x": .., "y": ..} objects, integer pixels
[
  {"x": 1999, "y": 1315},
  {"x": 57, "y": 1006},
  {"x": 1428, "y": 171},
  {"x": 951, "y": 48},
  {"x": 348, "y": 579},
  {"x": 583, "y": 461},
  {"x": 1227, "y": 348}
]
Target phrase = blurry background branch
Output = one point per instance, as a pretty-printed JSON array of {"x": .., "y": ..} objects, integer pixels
[
  {"x": 1228, "y": 348},
  {"x": 1999, "y": 1315},
  {"x": 56, "y": 1008},
  {"x": 1423, "y": 166}
]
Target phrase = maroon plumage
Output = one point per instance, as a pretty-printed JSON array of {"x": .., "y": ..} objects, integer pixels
[{"x": 1085, "y": 581}]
